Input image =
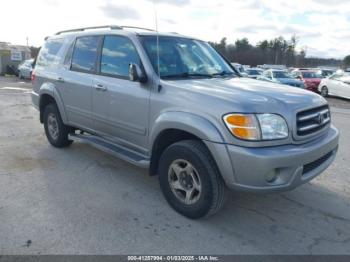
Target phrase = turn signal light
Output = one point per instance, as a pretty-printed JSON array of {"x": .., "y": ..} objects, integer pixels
[{"x": 243, "y": 126}]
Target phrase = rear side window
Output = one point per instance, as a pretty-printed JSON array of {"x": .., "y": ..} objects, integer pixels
[
  {"x": 85, "y": 54},
  {"x": 117, "y": 54},
  {"x": 49, "y": 52}
]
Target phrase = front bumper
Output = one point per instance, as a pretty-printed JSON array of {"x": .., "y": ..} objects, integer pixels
[{"x": 294, "y": 164}]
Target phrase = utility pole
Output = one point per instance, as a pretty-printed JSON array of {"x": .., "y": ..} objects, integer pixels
[{"x": 27, "y": 41}]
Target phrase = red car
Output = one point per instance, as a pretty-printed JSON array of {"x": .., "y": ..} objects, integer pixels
[{"x": 310, "y": 78}]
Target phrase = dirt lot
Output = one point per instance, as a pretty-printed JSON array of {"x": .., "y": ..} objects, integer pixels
[{"x": 82, "y": 201}]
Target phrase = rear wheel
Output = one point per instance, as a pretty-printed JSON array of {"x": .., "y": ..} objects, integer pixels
[
  {"x": 190, "y": 180},
  {"x": 56, "y": 131},
  {"x": 324, "y": 91}
]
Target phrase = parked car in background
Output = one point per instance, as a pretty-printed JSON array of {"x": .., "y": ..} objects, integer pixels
[
  {"x": 281, "y": 77},
  {"x": 325, "y": 72},
  {"x": 254, "y": 72},
  {"x": 310, "y": 78},
  {"x": 336, "y": 85},
  {"x": 272, "y": 66},
  {"x": 240, "y": 69},
  {"x": 25, "y": 69}
]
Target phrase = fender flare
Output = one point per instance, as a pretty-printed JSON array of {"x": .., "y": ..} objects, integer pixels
[
  {"x": 201, "y": 128},
  {"x": 188, "y": 122},
  {"x": 51, "y": 90}
]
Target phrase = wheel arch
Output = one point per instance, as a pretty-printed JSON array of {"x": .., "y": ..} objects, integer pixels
[
  {"x": 172, "y": 127},
  {"x": 49, "y": 94}
]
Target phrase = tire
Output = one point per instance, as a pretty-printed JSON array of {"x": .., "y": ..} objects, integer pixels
[
  {"x": 179, "y": 156},
  {"x": 56, "y": 132},
  {"x": 324, "y": 91}
]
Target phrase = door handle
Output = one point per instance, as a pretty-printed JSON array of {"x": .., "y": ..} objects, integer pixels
[
  {"x": 100, "y": 87},
  {"x": 60, "y": 80}
]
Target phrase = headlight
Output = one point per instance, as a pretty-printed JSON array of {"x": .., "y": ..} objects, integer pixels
[{"x": 256, "y": 127}]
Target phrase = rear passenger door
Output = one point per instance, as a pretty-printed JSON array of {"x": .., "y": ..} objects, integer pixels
[
  {"x": 76, "y": 86},
  {"x": 120, "y": 106}
]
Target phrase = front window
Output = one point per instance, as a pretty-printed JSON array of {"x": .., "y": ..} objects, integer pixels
[
  {"x": 118, "y": 53},
  {"x": 281, "y": 74},
  {"x": 182, "y": 58}
]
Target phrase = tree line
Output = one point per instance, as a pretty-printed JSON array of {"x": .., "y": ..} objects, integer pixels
[{"x": 275, "y": 51}]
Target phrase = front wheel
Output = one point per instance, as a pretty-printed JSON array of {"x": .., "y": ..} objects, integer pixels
[
  {"x": 190, "y": 179},
  {"x": 56, "y": 131},
  {"x": 324, "y": 91}
]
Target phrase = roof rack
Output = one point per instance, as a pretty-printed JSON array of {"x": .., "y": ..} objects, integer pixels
[
  {"x": 112, "y": 27},
  {"x": 135, "y": 27}
]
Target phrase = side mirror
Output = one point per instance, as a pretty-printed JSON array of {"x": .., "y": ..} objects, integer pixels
[{"x": 137, "y": 74}]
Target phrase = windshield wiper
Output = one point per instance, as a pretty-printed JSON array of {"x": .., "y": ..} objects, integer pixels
[
  {"x": 223, "y": 73},
  {"x": 187, "y": 75}
]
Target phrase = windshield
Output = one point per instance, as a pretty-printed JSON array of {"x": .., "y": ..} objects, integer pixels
[
  {"x": 281, "y": 74},
  {"x": 183, "y": 58},
  {"x": 310, "y": 75}
]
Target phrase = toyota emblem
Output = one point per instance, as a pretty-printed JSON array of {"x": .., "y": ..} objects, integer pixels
[{"x": 320, "y": 119}]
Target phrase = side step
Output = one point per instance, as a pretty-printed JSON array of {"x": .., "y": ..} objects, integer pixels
[{"x": 112, "y": 149}]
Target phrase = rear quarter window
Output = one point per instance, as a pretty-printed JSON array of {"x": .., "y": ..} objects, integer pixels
[{"x": 49, "y": 52}]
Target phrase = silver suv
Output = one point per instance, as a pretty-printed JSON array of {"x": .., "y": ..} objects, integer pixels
[{"x": 174, "y": 105}]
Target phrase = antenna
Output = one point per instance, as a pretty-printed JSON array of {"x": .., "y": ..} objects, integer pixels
[{"x": 158, "y": 55}]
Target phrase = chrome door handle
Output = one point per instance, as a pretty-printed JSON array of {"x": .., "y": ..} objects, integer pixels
[{"x": 100, "y": 87}]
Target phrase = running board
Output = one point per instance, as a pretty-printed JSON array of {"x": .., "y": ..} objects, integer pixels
[{"x": 112, "y": 149}]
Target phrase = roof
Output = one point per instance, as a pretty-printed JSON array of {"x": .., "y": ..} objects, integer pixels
[{"x": 110, "y": 29}]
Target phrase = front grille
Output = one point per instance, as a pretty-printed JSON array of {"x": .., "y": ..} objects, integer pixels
[
  {"x": 313, "y": 120},
  {"x": 313, "y": 165}
]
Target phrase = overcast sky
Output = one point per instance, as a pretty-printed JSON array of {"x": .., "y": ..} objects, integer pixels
[{"x": 323, "y": 26}]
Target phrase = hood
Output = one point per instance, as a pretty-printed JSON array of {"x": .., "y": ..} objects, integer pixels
[
  {"x": 290, "y": 81},
  {"x": 251, "y": 95}
]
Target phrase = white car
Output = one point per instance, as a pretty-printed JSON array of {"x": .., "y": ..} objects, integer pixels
[
  {"x": 336, "y": 85},
  {"x": 25, "y": 69}
]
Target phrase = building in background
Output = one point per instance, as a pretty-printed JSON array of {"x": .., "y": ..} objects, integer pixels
[{"x": 11, "y": 56}]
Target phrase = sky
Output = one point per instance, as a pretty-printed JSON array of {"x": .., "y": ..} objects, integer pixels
[{"x": 322, "y": 26}]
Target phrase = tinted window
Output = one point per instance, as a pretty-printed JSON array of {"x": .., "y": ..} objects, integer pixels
[
  {"x": 48, "y": 53},
  {"x": 85, "y": 53},
  {"x": 117, "y": 54},
  {"x": 280, "y": 74}
]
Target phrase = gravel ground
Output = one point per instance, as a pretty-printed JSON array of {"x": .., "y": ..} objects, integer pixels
[{"x": 82, "y": 201}]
